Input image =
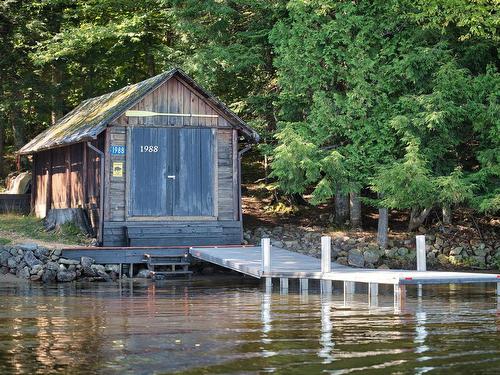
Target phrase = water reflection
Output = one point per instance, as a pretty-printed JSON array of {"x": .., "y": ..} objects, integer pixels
[
  {"x": 326, "y": 329},
  {"x": 228, "y": 326}
]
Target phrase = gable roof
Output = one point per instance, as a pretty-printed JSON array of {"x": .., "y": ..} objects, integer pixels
[{"x": 90, "y": 117}]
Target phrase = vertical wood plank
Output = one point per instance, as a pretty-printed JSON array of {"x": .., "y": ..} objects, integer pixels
[
  {"x": 49, "y": 184},
  {"x": 236, "y": 200},
  {"x": 68, "y": 176},
  {"x": 84, "y": 174},
  {"x": 107, "y": 177}
]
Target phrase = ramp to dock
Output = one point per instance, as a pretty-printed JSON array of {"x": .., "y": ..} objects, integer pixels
[{"x": 292, "y": 265}]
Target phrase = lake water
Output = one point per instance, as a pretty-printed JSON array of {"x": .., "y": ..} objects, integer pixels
[{"x": 231, "y": 326}]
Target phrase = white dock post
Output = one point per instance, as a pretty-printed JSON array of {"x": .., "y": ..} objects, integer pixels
[
  {"x": 326, "y": 263},
  {"x": 304, "y": 285},
  {"x": 373, "y": 294},
  {"x": 265, "y": 244},
  {"x": 498, "y": 289},
  {"x": 421, "y": 258},
  {"x": 326, "y": 286},
  {"x": 349, "y": 288},
  {"x": 284, "y": 284},
  {"x": 326, "y": 254},
  {"x": 399, "y": 296}
]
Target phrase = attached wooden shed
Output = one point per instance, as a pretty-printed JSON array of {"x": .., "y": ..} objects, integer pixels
[{"x": 164, "y": 156}]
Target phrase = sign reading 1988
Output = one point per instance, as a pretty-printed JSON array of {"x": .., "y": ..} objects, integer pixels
[{"x": 117, "y": 150}]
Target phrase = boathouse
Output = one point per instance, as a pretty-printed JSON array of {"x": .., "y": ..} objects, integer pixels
[{"x": 156, "y": 163}]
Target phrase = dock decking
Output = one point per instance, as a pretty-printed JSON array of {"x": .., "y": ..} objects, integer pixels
[{"x": 291, "y": 265}]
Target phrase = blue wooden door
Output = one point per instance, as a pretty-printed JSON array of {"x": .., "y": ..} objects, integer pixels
[
  {"x": 172, "y": 172},
  {"x": 148, "y": 173},
  {"x": 194, "y": 171}
]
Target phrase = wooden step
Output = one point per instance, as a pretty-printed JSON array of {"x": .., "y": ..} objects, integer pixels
[
  {"x": 180, "y": 272},
  {"x": 169, "y": 263}
]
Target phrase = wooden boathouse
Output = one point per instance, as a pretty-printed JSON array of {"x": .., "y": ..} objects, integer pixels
[{"x": 156, "y": 163}]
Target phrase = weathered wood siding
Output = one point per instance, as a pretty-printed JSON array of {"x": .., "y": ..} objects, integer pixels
[
  {"x": 182, "y": 233},
  {"x": 225, "y": 186},
  {"x": 174, "y": 96},
  {"x": 61, "y": 181}
]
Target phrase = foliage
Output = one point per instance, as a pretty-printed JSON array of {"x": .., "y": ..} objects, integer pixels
[
  {"x": 393, "y": 97},
  {"x": 412, "y": 113}
]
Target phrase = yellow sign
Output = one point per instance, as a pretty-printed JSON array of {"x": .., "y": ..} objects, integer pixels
[{"x": 117, "y": 169}]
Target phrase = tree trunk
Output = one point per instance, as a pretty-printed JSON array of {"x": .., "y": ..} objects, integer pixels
[
  {"x": 57, "y": 101},
  {"x": 446, "y": 215},
  {"x": 17, "y": 125},
  {"x": 383, "y": 227},
  {"x": 57, "y": 217},
  {"x": 2, "y": 167},
  {"x": 355, "y": 210},
  {"x": 341, "y": 208},
  {"x": 417, "y": 218}
]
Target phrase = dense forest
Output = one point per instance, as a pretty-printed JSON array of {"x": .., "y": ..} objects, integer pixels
[{"x": 395, "y": 103}]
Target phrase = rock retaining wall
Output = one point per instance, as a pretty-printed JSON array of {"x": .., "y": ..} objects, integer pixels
[
  {"x": 38, "y": 263},
  {"x": 450, "y": 249}
]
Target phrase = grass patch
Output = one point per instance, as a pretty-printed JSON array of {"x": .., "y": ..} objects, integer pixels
[
  {"x": 4, "y": 241},
  {"x": 32, "y": 228}
]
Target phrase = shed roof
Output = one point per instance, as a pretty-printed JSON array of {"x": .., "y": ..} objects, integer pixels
[{"x": 90, "y": 117}]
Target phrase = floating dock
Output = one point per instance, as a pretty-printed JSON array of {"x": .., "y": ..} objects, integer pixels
[{"x": 292, "y": 265}]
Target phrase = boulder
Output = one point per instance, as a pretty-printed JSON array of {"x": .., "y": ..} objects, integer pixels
[
  {"x": 371, "y": 256},
  {"x": 42, "y": 253},
  {"x": 4, "y": 270},
  {"x": 480, "y": 250},
  {"x": 391, "y": 253},
  {"x": 36, "y": 269},
  {"x": 402, "y": 251},
  {"x": 66, "y": 276},
  {"x": 28, "y": 246},
  {"x": 384, "y": 267},
  {"x": 30, "y": 259},
  {"x": 356, "y": 258},
  {"x": 68, "y": 261},
  {"x": 12, "y": 262},
  {"x": 456, "y": 251},
  {"x": 13, "y": 251},
  {"x": 49, "y": 276},
  {"x": 36, "y": 277},
  {"x": 87, "y": 263},
  {"x": 112, "y": 268},
  {"x": 4, "y": 257},
  {"x": 99, "y": 271},
  {"x": 24, "y": 273},
  {"x": 52, "y": 266}
]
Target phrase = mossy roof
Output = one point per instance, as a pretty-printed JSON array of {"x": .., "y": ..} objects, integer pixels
[{"x": 90, "y": 118}]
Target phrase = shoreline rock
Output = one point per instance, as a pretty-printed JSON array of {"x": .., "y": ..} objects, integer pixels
[
  {"x": 452, "y": 249},
  {"x": 30, "y": 261}
]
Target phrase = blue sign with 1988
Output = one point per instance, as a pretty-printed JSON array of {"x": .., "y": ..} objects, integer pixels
[{"x": 117, "y": 150}]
